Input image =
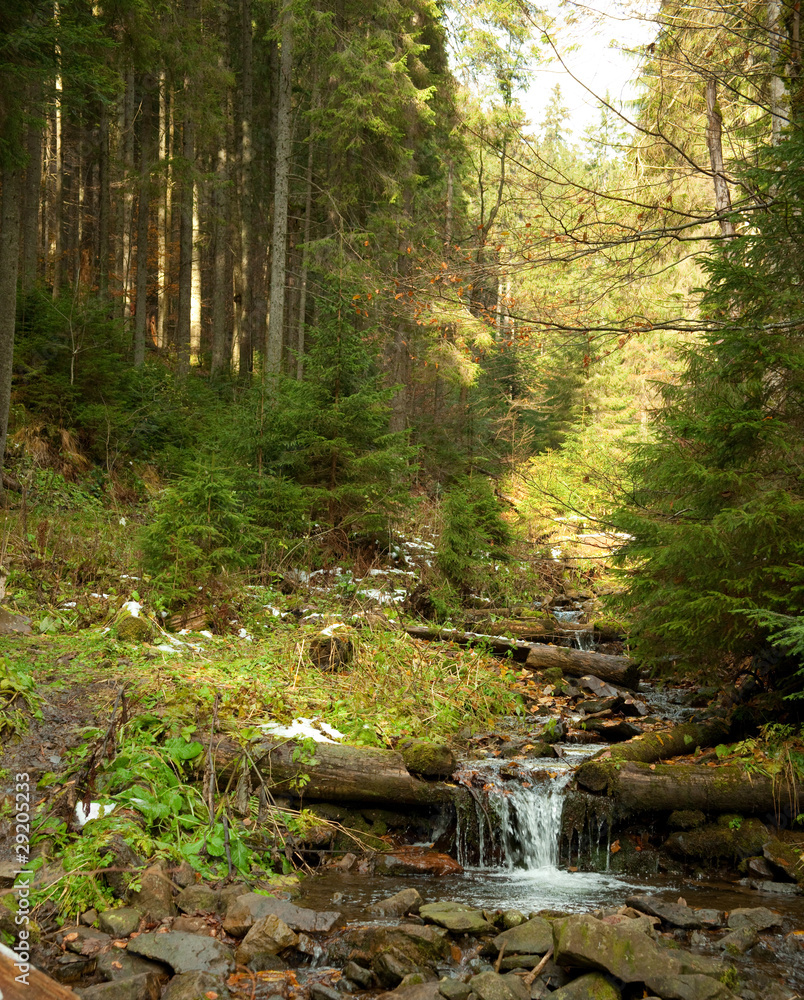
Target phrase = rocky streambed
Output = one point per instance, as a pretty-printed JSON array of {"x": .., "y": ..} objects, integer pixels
[{"x": 205, "y": 943}]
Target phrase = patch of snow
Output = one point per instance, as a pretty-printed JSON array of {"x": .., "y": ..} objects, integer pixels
[
  {"x": 96, "y": 810},
  {"x": 133, "y": 608},
  {"x": 206, "y": 633},
  {"x": 308, "y": 728},
  {"x": 243, "y": 634},
  {"x": 166, "y": 648},
  {"x": 123, "y": 521},
  {"x": 69, "y": 604},
  {"x": 100, "y": 597},
  {"x": 330, "y": 629},
  {"x": 125, "y": 576}
]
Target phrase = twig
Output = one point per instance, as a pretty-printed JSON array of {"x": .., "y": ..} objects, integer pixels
[
  {"x": 227, "y": 844},
  {"x": 531, "y": 976},
  {"x": 498, "y": 963},
  {"x": 210, "y": 778}
]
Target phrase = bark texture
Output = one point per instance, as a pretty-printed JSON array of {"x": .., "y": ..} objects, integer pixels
[
  {"x": 683, "y": 739},
  {"x": 619, "y": 670}
]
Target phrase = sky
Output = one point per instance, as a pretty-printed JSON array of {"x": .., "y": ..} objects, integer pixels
[{"x": 590, "y": 49}]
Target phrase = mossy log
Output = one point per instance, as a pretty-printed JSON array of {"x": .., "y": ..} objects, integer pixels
[
  {"x": 501, "y": 645},
  {"x": 682, "y": 739},
  {"x": 619, "y": 670},
  {"x": 647, "y": 788},
  {"x": 335, "y": 773}
]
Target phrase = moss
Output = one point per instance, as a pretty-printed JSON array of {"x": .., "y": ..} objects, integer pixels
[
  {"x": 686, "y": 819},
  {"x": 432, "y": 760},
  {"x": 131, "y": 629}
]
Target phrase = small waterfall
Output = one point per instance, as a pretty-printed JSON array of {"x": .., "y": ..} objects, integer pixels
[{"x": 515, "y": 823}]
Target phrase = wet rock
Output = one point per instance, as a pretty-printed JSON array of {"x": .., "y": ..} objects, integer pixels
[
  {"x": 406, "y": 901},
  {"x": 778, "y": 888},
  {"x": 364, "y": 978},
  {"x": 690, "y": 987},
  {"x": 456, "y": 918},
  {"x": 719, "y": 841},
  {"x": 422, "y": 945},
  {"x": 454, "y": 989},
  {"x": 613, "y": 732},
  {"x": 758, "y": 867},
  {"x": 593, "y": 986},
  {"x": 492, "y": 986},
  {"x": 318, "y": 991},
  {"x": 758, "y": 918},
  {"x": 534, "y": 937},
  {"x": 431, "y": 760},
  {"x": 740, "y": 941},
  {"x": 416, "y": 991},
  {"x": 72, "y": 968},
  {"x": 686, "y": 819},
  {"x": 120, "y": 922},
  {"x": 267, "y": 937},
  {"x": 143, "y": 987},
  {"x": 198, "y": 899},
  {"x": 196, "y": 986},
  {"x": 513, "y": 918},
  {"x": 416, "y": 861},
  {"x": 675, "y": 914},
  {"x": 185, "y": 952},
  {"x": 155, "y": 897},
  {"x": 597, "y": 687},
  {"x": 247, "y": 909},
  {"x": 84, "y": 940},
  {"x": 391, "y": 967},
  {"x": 594, "y": 705},
  {"x": 118, "y": 964},
  {"x": 784, "y": 858},
  {"x": 625, "y": 952},
  {"x": 633, "y": 708}
]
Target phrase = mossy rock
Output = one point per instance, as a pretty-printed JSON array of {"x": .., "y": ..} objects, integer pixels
[
  {"x": 686, "y": 819},
  {"x": 719, "y": 841},
  {"x": 431, "y": 760},
  {"x": 133, "y": 629}
]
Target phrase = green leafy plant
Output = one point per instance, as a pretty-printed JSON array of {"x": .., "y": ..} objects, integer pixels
[{"x": 472, "y": 529}]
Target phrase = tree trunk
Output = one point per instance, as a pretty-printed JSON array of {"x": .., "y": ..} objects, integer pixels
[
  {"x": 58, "y": 191},
  {"x": 9, "y": 262},
  {"x": 276, "y": 315},
  {"x": 104, "y": 202},
  {"x": 714, "y": 140},
  {"x": 337, "y": 773},
  {"x": 126, "y": 198},
  {"x": 245, "y": 338},
  {"x": 184, "y": 319},
  {"x": 305, "y": 250},
  {"x": 619, "y": 670},
  {"x": 29, "y": 232},
  {"x": 650, "y": 788},
  {"x": 143, "y": 207},
  {"x": 164, "y": 215}
]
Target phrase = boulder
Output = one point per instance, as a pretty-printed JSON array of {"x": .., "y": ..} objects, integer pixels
[
  {"x": 185, "y": 952},
  {"x": 391, "y": 967},
  {"x": 155, "y": 897},
  {"x": 534, "y": 937},
  {"x": 690, "y": 987},
  {"x": 625, "y": 952},
  {"x": 131, "y": 628},
  {"x": 784, "y": 858},
  {"x": 250, "y": 907},
  {"x": 454, "y": 989},
  {"x": 84, "y": 940},
  {"x": 362, "y": 943},
  {"x": 492, "y": 986},
  {"x": 457, "y": 918},
  {"x": 120, "y": 922},
  {"x": 740, "y": 941},
  {"x": 592, "y": 986},
  {"x": 196, "y": 986},
  {"x": 118, "y": 964},
  {"x": 416, "y": 861},
  {"x": 364, "y": 978},
  {"x": 405, "y": 901},
  {"x": 414, "y": 991},
  {"x": 675, "y": 914},
  {"x": 198, "y": 899},
  {"x": 758, "y": 918},
  {"x": 146, "y": 986},
  {"x": 267, "y": 937}
]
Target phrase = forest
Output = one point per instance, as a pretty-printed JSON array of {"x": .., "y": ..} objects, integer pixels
[{"x": 331, "y": 378}]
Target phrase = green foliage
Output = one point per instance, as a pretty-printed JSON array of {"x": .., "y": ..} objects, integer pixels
[
  {"x": 199, "y": 529},
  {"x": 717, "y": 502},
  {"x": 472, "y": 526},
  {"x": 17, "y": 694}
]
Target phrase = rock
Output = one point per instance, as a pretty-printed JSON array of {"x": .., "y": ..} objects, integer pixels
[
  {"x": 492, "y": 986},
  {"x": 318, "y": 991},
  {"x": 406, "y": 901},
  {"x": 740, "y": 941},
  {"x": 118, "y": 964},
  {"x": 758, "y": 867},
  {"x": 133, "y": 629},
  {"x": 250, "y": 907},
  {"x": 120, "y": 922},
  {"x": 629, "y": 954},
  {"x": 84, "y": 940},
  {"x": 758, "y": 918},
  {"x": 183, "y": 875},
  {"x": 330, "y": 652},
  {"x": 456, "y": 918},
  {"x": 155, "y": 897},
  {"x": 431, "y": 760},
  {"x": 122, "y": 856},
  {"x": 592, "y": 986},
  {"x": 597, "y": 687},
  {"x": 690, "y": 987},
  {"x": 391, "y": 967},
  {"x": 185, "y": 952},
  {"x": 196, "y": 986},
  {"x": 454, "y": 989},
  {"x": 417, "y": 991},
  {"x": 633, "y": 708},
  {"x": 510, "y": 962},
  {"x": 594, "y": 705},
  {"x": 193, "y": 925},
  {"x": 613, "y": 732},
  {"x": 686, "y": 819},
  {"x": 143, "y": 987},
  {"x": 268, "y": 936},
  {"x": 11, "y": 624},
  {"x": 364, "y": 978},
  {"x": 89, "y": 918},
  {"x": 422, "y": 945},
  {"x": 534, "y": 937},
  {"x": 198, "y": 899},
  {"x": 416, "y": 861},
  {"x": 784, "y": 858},
  {"x": 675, "y": 914},
  {"x": 716, "y": 841},
  {"x": 230, "y": 894},
  {"x": 778, "y": 888},
  {"x": 513, "y": 918}
]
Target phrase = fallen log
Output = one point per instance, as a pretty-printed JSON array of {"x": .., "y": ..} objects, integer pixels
[
  {"x": 335, "y": 773},
  {"x": 682, "y": 739},
  {"x": 501, "y": 645},
  {"x": 619, "y": 670},
  {"x": 21, "y": 981},
  {"x": 647, "y": 788}
]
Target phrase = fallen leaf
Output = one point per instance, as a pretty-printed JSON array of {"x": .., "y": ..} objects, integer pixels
[
  {"x": 615, "y": 847},
  {"x": 120, "y": 944},
  {"x": 70, "y": 937}
]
